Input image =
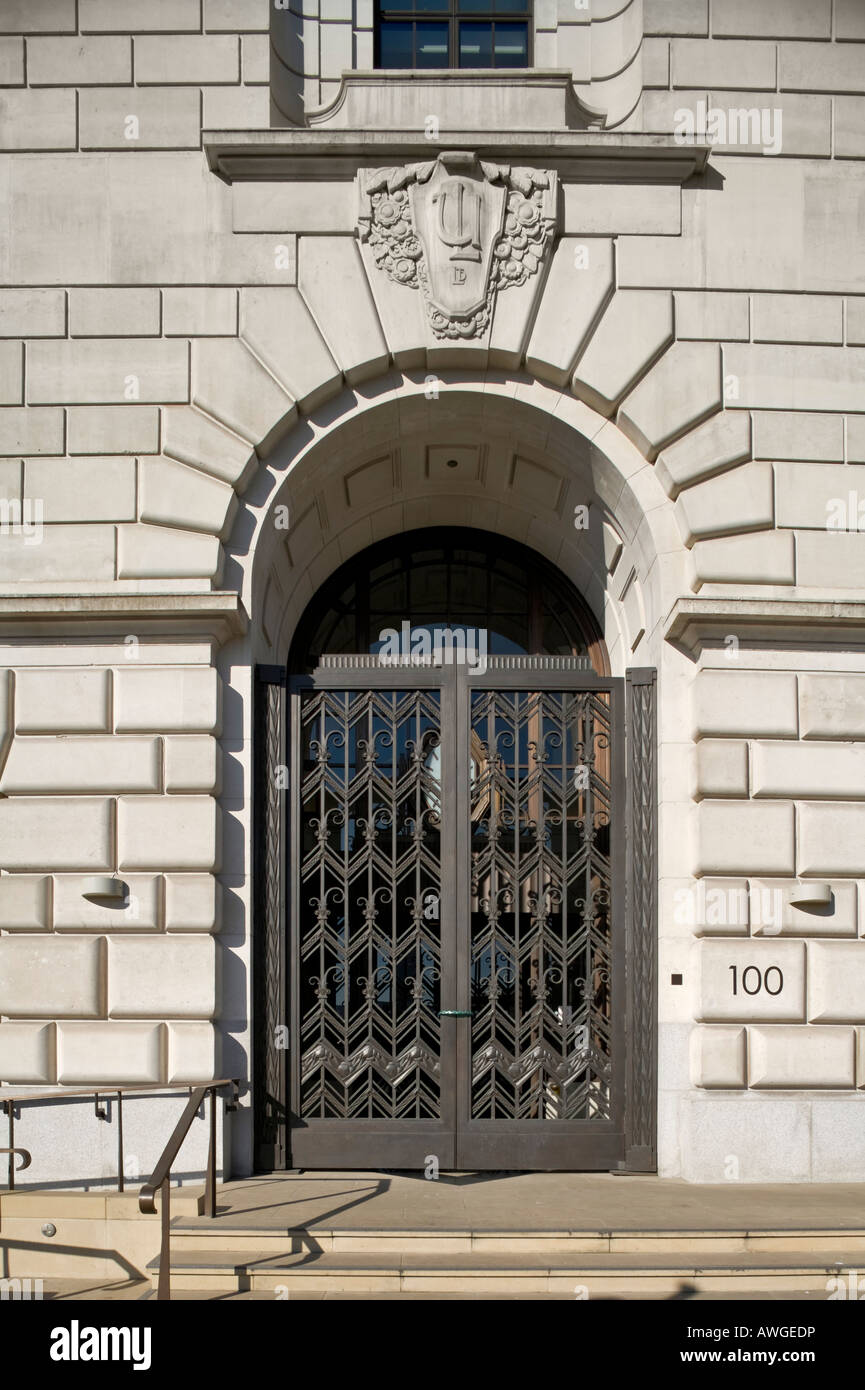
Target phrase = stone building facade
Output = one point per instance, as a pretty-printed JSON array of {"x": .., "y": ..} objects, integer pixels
[{"x": 243, "y": 340}]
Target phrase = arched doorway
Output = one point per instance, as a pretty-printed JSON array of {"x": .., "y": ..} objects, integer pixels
[{"x": 454, "y": 977}]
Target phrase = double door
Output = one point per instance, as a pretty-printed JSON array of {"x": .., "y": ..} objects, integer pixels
[{"x": 455, "y": 902}]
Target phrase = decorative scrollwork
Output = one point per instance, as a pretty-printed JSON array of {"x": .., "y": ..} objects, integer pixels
[
  {"x": 419, "y": 986},
  {"x": 319, "y": 982},
  {"x": 372, "y": 985},
  {"x": 334, "y": 894},
  {"x": 370, "y": 904}
]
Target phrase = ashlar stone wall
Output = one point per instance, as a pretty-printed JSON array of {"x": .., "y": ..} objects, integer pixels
[
  {"x": 172, "y": 345},
  {"x": 110, "y": 766}
]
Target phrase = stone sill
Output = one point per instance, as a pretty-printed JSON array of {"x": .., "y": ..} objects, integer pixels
[
  {"x": 692, "y": 621},
  {"x": 242, "y": 156},
  {"x": 219, "y": 615}
]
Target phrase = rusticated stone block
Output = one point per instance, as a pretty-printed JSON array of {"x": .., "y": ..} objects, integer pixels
[
  {"x": 81, "y": 765},
  {"x": 806, "y": 1058},
  {"x": 64, "y": 833},
  {"x": 718, "y": 1057},
  {"x": 112, "y": 1053},
  {"x": 162, "y": 977},
  {"x": 745, "y": 837},
  {"x": 27, "y": 1052},
  {"x": 167, "y": 700},
  {"x": 193, "y": 1053},
  {"x": 831, "y": 838},
  {"x": 832, "y": 706},
  {"x": 747, "y": 703},
  {"x": 25, "y": 902},
  {"x": 743, "y": 980},
  {"x": 168, "y": 832},
  {"x": 62, "y": 700},
  {"x": 836, "y": 982},
  {"x": 51, "y": 977}
]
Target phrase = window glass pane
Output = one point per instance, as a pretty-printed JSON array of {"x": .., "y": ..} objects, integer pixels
[
  {"x": 476, "y": 45},
  {"x": 396, "y": 46},
  {"x": 432, "y": 45},
  {"x": 449, "y": 584},
  {"x": 512, "y": 45},
  {"x": 493, "y": 6},
  {"x": 427, "y": 5},
  {"x": 336, "y": 633},
  {"x": 468, "y": 585},
  {"x": 388, "y": 596},
  {"x": 555, "y": 639},
  {"x": 429, "y": 586}
]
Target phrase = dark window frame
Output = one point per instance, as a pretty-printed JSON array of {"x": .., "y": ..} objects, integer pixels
[
  {"x": 453, "y": 15},
  {"x": 347, "y": 593}
]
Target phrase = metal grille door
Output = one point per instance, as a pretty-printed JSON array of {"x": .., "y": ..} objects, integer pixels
[
  {"x": 369, "y": 1073},
  {"x": 539, "y": 1064},
  {"x": 457, "y": 960},
  {"x": 541, "y": 958}
]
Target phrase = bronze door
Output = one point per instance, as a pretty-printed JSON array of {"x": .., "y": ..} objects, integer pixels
[
  {"x": 541, "y": 959},
  {"x": 456, "y": 916},
  {"x": 372, "y": 919}
]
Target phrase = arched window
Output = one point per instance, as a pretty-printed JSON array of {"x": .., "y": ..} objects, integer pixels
[
  {"x": 453, "y": 34},
  {"x": 451, "y": 577}
]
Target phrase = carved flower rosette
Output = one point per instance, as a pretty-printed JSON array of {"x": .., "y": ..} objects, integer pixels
[{"x": 392, "y": 238}]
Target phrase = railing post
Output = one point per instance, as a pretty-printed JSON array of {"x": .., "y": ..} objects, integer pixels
[
  {"x": 210, "y": 1181},
  {"x": 119, "y": 1141},
  {"x": 163, "y": 1288},
  {"x": 10, "y": 1111}
]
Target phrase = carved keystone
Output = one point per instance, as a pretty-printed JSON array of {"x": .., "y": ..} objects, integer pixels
[{"x": 459, "y": 229}]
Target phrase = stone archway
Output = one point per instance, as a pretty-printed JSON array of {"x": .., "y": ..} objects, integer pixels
[
  {"x": 509, "y": 456},
  {"x": 531, "y": 464}
]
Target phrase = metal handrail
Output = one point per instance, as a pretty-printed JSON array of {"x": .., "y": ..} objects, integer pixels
[
  {"x": 160, "y": 1180},
  {"x": 61, "y": 1093},
  {"x": 9, "y": 1101}
]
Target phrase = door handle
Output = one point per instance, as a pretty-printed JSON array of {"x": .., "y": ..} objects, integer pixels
[{"x": 455, "y": 1013}]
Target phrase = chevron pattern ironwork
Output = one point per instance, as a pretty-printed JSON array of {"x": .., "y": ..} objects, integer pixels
[
  {"x": 269, "y": 927},
  {"x": 541, "y": 955},
  {"x": 370, "y": 881}
]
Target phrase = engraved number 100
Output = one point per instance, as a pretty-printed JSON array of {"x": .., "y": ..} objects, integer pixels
[{"x": 754, "y": 980}]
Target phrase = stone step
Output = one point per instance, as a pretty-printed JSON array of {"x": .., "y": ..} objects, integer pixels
[
  {"x": 591, "y": 1276},
  {"x": 315, "y": 1295},
  {"x": 198, "y": 1234}
]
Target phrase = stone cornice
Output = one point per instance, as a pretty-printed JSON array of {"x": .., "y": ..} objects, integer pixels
[
  {"x": 217, "y": 615},
  {"x": 693, "y": 621},
  {"x": 272, "y": 156}
]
